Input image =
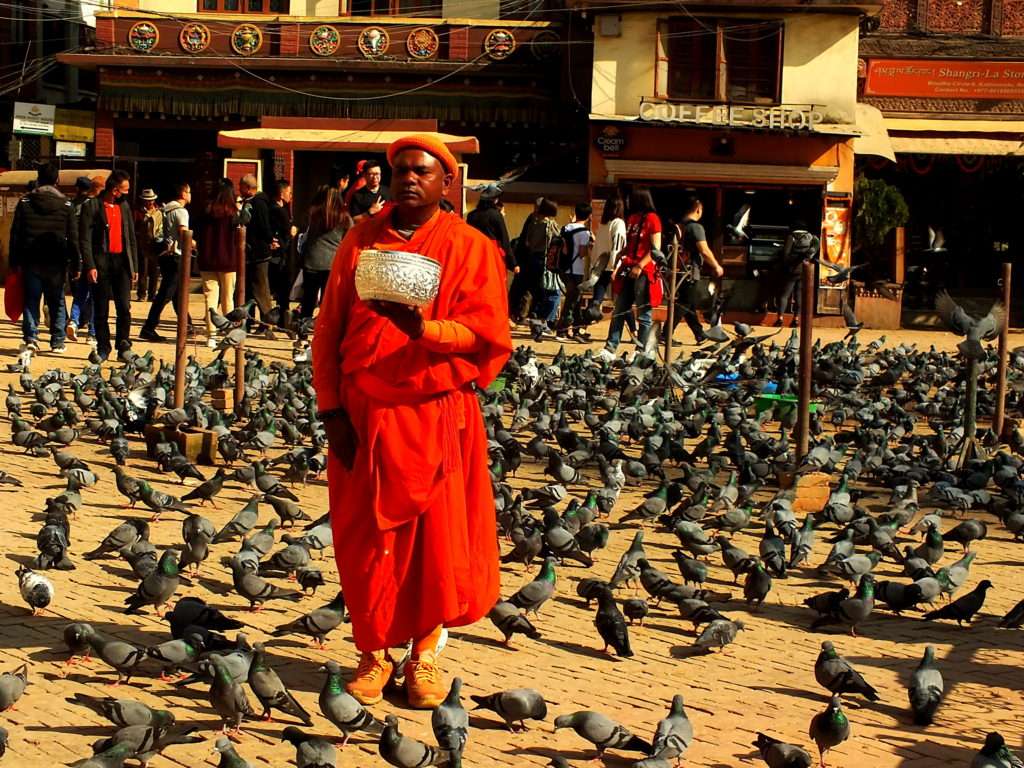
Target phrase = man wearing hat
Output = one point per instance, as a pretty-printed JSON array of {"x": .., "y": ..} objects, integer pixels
[
  {"x": 149, "y": 234},
  {"x": 488, "y": 219},
  {"x": 410, "y": 493}
]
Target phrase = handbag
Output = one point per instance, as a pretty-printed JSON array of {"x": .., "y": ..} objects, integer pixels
[
  {"x": 551, "y": 282},
  {"x": 14, "y": 295}
]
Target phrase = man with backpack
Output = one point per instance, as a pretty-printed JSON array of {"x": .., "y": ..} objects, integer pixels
[
  {"x": 43, "y": 247},
  {"x": 573, "y": 247},
  {"x": 175, "y": 220},
  {"x": 800, "y": 246}
]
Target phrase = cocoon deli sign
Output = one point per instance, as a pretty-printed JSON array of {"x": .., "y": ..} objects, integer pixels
[
  {"x": 779, "y": 117},
  {"x": 931, "y": 78}
]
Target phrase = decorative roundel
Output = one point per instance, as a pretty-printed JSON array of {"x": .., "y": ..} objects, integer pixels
[
  {"x": 143, "y": 36},
  {"x": 499, "y": 44},
  {"x": 246, "y": 39},
  {"x": 545, "y": 45},
  {"x": 422, "y": 43},
  {"x": 373, "y": 42},
  {"x": 194, "y": 37},
  {"x": 324, "y": 40}
]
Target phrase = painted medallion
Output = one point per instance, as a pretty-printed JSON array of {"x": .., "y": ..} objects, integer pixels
[
  {"x": 143, "y": 36},
  {"x": 194, "y": 37},
  {"x": 324, "y": 40},
  {"x": 246, "y": 39},
  {"x": 422, "y": 43},
  {"x": 373, "y": 42},
  {"x": 499, "y": 44}
]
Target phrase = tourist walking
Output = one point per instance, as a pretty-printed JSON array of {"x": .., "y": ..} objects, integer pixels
[
  {"x": 110, "y": 256},
  {"x": 259, "y": 234},
  {"x": 487, "y": 218},
  {"x": 218, "y": 255},
  {"x": 149, "y": 235},
  {"x": 282, "y": 270},
  {"x": 175, "y": 219},
  {"x": 609, "y": 242},
  {"x": 43, "y": 248},
  {"x": 800, "y": 246},
  {"x": 576, "y": 242},
  {"x": 329, "y": 222},
  {"x": 534, "y": 279},
  {"x": 637, "y": 281},
  {"x": 82, "y": 289},
  {"x": 367, "y": 201},
  {"x": 694, "y": 255}
]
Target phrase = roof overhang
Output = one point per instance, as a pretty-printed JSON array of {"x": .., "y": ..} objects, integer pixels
[
  {"x": 730, "y": 173},
  {"x": 743, "y": 6},
  {"x": 331, "y": 140}
]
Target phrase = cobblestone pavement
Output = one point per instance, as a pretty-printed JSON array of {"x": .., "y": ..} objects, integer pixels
[{"x": 763, "y": 682}]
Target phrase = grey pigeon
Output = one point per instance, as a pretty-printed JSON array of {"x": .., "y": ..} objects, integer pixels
[
  {"x": 603, "y": 732},
  {"x": 830, "y": 728},
  {"x": 229, "y": 758},
  {"x": 836, "y": 675},
  {"x": 342, "y": 709},
  {"x": 123, "y": 712},
  {"x": 12, "y": 686},
  {"x": 123, "y": 657},
  {"x": 405, "y": 751},
  {"x": 158, "y": 587},
  {"x": 515, "y": 706},
  {"x": 174, "y": 653},
  {"x": 258, "y": 590},
  {"x": 310, "y": 751},
  {"x": 450, "y": 723},
  {"x": 227, "y": 697},
  {"x": 271, "y": 692},
  {"x": 533, "y": 595},
  {"x": 125, "y": 534},
  {"x": 317, "y": 623},
  {"x": 779, "y": 754},
  {"x": 926, "y": 688},
  {"x": 241, "y": 523},
  {"x": 995, "y": 754},
  {"x": 507, "y": 618},
  {"x": 674, "y": 732},
  {"x": 718, "y": 634}
]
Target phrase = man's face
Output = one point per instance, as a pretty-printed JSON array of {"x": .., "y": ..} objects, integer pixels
[
  {"x": 121, "y": 190},
  {"x": 418, "y": 179},
  {"x": 373, "y": 176},
  {"x": 150, "y": 205},
  {"x": 698, "y": 214},
  {"x": 286, "y": 195},
  {"x": 186, "y": 194}
]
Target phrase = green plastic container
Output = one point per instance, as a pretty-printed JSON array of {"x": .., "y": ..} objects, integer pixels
[{"x": 783, "y": 404}]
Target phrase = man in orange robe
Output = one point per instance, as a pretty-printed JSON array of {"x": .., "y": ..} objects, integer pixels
[{"x": 411, "y": 501}]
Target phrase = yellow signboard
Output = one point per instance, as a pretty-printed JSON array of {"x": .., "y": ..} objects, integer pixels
[{"x": 74, "y": 125}]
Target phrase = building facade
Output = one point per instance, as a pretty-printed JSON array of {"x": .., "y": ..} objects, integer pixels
[
  {"x": 948, "y": 78},
  {"x": 750, "y": 107}
]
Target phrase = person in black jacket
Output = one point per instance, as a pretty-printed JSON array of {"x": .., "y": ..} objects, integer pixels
[
  {"x": 110, "y": 255},
  {"x": 43, "y": 247},
  {"x": 488, "y": 219},
  {"x": 259, "y": 237},
  {"x": 283, "y": 266}
]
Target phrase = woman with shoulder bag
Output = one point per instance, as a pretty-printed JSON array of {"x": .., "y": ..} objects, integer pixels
[
  {"x": 329, "y": 222},
  {"x": 218, "y": 256},
  {"x": 637, "y": 279}
]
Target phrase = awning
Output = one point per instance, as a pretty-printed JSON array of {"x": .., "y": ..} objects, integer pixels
[
  {"x": 739, "y": 173},
  {"x": 331, "y": 140},
  {"x": 927, "y": 125},
  {"x": 66, "y": 178},
  {"x": 957, "y": 145},
  {"x": 874, "y": 138}
]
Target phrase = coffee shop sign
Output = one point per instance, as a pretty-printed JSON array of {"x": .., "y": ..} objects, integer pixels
[{"x": 780, "y": 117}]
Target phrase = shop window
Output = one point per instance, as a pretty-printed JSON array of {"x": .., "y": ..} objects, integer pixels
[
  {"x": 244, "y": 6},
  {"x": 722, "y": 60},
  {"x": 421, "y": 8}
]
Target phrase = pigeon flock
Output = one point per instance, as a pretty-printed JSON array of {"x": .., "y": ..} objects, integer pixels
[{"x": 207, "y": 578}]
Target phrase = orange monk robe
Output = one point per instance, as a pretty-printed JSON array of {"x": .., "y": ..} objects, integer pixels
[{"x": 414, "y": 523}]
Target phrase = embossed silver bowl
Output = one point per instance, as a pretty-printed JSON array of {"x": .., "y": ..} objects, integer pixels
[{"x": 399, "y": 276}]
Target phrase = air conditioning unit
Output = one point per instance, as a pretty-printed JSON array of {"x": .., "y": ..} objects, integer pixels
[{"x": 609, "y": 26}]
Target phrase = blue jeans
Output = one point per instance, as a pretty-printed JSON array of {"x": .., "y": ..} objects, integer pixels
[
  {"x": 81, "y": 305},
  {"x": 634, "y": 291},
  {"x": 51, "y": 290},
  {"x": 549, "y": 310}
]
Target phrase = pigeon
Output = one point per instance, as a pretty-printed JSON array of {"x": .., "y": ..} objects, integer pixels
[
  {"x": 533, "y": 595},
  {"x": 963, "y": 608},
  {"x": 926, "y": 688},
  {"x": 342, "y": 709},
  {"x": 124, "y": 712},
  {"x": 975, "y": 331},
  {"x": 611, "y": 625},
  {"x": 229, "y": 758},
  {"x": 718, "y": 634},
  {"x": 174, "y": 653},
  {"x": 310, "y": 751},
  {"x": 1014, "y": 618},
  {"x": 194, "y": 612},
  {"x": 123, "y": 657},
  {"x": 967, "y": 532},
  {"x": 159, "y": 501},
  {"x": 635, "y": 609},
  {"x": 603, "y": 732},
  {"x": 12, "y": 686},
  {"x": 36, "y": 589},
  {"x": 852, "y": 610},
  {"x": 510, "y": 622},
  {"x": 158, "y": 587},
  {"x": 995, "y": 754},
  {"x": 674, "y": 732},
  {"x": 779, "y": 754},
  {"x": 405, "y": 751},
  {"x": 829, "y": 728},
  {"x": 243, "y": 521},
  {"x": 269, "y": 689},
  {"x": 110, "y": 758},
  {"x": 206, "y": 490},
  {"x": 227, "y": 697},
  {"x": 317, "y": 623},
  {"x": 450, "y": 723},
  {"x": 147, "y": 741},
  {"x": 258, "y": 590},
  {"x": 124, "y": 535},
  {"x": 515, "y": 706},
  {"x": 836, "y": 675},
  {"x": 628, "y": 569}
]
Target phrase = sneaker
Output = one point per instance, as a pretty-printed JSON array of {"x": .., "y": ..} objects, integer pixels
[
  {"x": 60, "y": 349},
  {"x": 148, "y": 335},
  {"x": 547, "y": 333},
  {"x": 71, "y": 331},
  {"x": 31, "y": 345},
  {"x": 562, "y": 338},
  {"x": 424, "y": 686},
  {"x": 372, "y": 675},
  {"x": 605, "y": 356},
  {"x": 211, "y": 342}
]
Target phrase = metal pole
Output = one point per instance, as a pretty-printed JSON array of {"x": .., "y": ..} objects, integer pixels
[
  {"x": 239, "y": 301},
  {"x": 807, "y": 302},
  {"x": 1004, "y": 354},
  {"x": 671, "y": 319},
  {"x": 181, "y": 341}
]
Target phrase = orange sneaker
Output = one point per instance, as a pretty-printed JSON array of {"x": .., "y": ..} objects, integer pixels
[
  {"x": 423, "y": 684},
  {"x": 373, "y": 673}
]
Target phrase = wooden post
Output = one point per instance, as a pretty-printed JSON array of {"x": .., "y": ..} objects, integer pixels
[
  {"x": 671, "y": 318},
  {"x": 181, "y": 340},
  {"x": 239, "y": 301},
  {"x": 1004, "y": 354},
  {"x": 807, "y": 302}
]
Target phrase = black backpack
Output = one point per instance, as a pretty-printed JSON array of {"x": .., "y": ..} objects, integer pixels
[
  {"x": 561, "y": 252},
  {"x": 805, "y": 246}
]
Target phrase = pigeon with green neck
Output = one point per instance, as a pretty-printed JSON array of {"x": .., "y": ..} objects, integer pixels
[
  {"x": 533, "y": 595},
  {"x": 829, "y": 728},
  {"x": 342, "y": 709},
  {"x": 158, "y": 587},
  {"x": 271, "y": 692},
  {"x": 853, "y": 610}
]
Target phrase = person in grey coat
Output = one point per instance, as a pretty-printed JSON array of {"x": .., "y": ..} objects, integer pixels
[{"x": 329, "y": 222}]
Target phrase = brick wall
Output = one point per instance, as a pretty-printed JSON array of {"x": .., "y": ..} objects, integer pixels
[{"x": 104, "y": 145}]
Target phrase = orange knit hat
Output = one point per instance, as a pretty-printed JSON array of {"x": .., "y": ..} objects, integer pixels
[{"x": 429, "y": 143}]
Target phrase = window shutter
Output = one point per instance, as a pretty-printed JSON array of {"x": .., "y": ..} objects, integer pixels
[{"x": 661, "y": 60}]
